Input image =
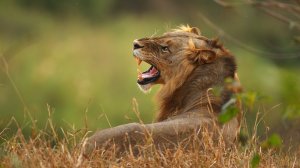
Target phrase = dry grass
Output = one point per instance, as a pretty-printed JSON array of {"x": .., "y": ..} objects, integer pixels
[
  {"x": 46, "y": 148},
  {"x": 53, "y": 147}
]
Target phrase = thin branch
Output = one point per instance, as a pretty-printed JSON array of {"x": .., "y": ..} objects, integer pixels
[
  {"x": 267, "y": 4},
  {"x": 265, "y": 7},
  {"x": 292, "y": 24},
  {"x": 279, "y": 5},
  {"x": 233, "y": 4},
  {"x": 245, "y": 46},
  {"x": 222, "y": 3},
  {"x": 292, "y": 8}
]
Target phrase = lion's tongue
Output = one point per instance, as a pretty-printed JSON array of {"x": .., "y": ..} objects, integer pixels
[{"x": 148, "y": 74}]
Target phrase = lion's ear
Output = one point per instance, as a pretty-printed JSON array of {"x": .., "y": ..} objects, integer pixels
[
  {"x": 195, "y": 30},
  {"x": 202, "y": 56}
]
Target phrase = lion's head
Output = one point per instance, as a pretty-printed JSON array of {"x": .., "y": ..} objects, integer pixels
[{"x": 173, "y": 56}]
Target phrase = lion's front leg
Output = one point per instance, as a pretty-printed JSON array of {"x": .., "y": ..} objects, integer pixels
[
  {"x": 164, "y": 133},
  {"x": 120, "y": 136}
]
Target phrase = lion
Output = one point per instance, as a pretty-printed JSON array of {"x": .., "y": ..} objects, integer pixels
[{"x": 188, "y": 66}]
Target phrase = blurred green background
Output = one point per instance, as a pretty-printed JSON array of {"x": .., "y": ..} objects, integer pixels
[{"x": 76, "y": 57}]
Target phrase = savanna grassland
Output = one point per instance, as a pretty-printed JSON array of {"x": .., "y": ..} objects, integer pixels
[{"x": 65, "y": 75}]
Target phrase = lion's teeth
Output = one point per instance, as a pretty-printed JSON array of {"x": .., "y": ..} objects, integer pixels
[
  {"x": 140, "y": 77},
  {"x": 139, "y": 61}
]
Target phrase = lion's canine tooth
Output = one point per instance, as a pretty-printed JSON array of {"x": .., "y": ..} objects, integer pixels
[
  {"x": 139, "y": 74},
  {"x": 139, "y": 61}
]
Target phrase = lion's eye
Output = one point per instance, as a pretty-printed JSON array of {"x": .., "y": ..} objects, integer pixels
[{"x": 164, "y": 49}]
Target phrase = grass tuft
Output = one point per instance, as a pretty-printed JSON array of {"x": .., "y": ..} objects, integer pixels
[{"x": 52, "y": 147}]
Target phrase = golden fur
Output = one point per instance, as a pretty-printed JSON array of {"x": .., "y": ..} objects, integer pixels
[
  {"x": 190, "y": 53},
  {"x": 189, "y": 67}
]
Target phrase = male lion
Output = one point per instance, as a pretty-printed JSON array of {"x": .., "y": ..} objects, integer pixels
[{"x": 187, "y": 65}]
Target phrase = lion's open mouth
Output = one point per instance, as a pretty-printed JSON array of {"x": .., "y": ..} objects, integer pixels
[{"x": 149, "y": 76}]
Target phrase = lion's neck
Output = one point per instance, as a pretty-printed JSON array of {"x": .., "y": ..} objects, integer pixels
[{"x": 194, "y": 95}]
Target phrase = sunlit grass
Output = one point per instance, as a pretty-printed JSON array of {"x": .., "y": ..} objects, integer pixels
[
  {"x": 85, "y": 72},
  {"x": 54, "y": 146}
]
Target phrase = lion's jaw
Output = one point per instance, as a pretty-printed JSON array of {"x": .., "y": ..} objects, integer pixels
[
  {"x": 167, "y": 58},
  {"x": 189, "y": 66}
]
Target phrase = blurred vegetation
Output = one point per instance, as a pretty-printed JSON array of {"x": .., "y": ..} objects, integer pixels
[{"x": 75, "y": 58}]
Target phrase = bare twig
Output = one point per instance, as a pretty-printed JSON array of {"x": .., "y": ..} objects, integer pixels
[
  {"x": 278, "y": 5},
  {"x": 245, "y": 46},
  {"x": 292, "y": 24},
  {"x": 267, "y": 8},
  {"x": 222, "y": 3},
  {"x": 233, "y": 4}
]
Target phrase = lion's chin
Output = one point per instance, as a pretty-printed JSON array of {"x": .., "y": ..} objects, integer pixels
[{"x": 145, "y": 88}]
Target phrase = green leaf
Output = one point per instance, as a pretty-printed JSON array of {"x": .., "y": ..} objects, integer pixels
[
  {"x": 274, "y": 141},
  {"x": 255, "y": 160},
  {"x": 228, "y": 113}
]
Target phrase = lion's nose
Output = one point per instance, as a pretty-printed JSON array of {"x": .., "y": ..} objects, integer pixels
[{"x": 137, "y": 45}]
